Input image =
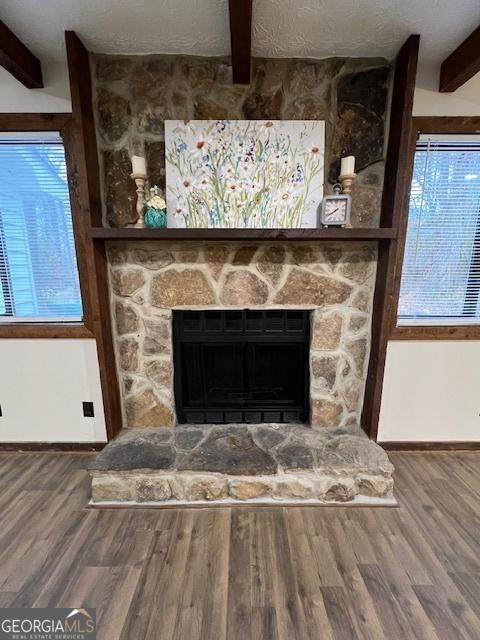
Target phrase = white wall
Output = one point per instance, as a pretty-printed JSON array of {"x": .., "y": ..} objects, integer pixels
[
  {"x": 431, "y": 389},
  {"x": 44, "y": 382},
  {"x": 42, "y": 386},
  {"x": 428, "y": 101},
  {"x": 54, "y": 97}
]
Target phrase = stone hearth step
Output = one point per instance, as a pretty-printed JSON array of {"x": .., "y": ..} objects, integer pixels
[{"x": 238, "y": 463}]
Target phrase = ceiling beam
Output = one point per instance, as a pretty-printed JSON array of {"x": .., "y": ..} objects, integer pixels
[
  {"x": 241, "y": 39},
  {"x": 462, "y": 64},
  {"x": 18, "y": 60}
]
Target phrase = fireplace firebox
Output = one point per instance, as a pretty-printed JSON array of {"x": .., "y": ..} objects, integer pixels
[{"x": 241, "y": 366}]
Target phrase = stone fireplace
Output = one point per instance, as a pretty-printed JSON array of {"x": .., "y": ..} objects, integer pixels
[
  {"x": 334, "y": 282},
  {"x": 157, "y": 458}
]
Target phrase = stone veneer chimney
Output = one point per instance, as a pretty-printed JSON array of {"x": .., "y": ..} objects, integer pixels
[{"x": 133, "y": 95}]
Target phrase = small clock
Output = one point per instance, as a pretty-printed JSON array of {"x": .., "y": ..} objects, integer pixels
[{"x": 335, "y": 210}]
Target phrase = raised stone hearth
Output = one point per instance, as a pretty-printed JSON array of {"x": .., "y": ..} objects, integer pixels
[{"x": 238, "y": 463}]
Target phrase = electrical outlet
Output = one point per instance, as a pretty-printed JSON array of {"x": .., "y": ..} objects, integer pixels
[{"x": 88, "y": 411}]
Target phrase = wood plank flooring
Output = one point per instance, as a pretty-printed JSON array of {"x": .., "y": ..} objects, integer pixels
[{"x": 271, "y": 573}]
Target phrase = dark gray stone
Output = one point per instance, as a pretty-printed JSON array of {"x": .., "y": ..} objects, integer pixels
[
  {"x": 353, "y": 454},
  {"x": 295, "y": 457},
  {"x": 135, "y": 455},
  {"x": 229, "y": 450},
  {"x": 368, "y": 88},
  {"x": 187, "y": 438},
  {"x": 358, "y": 132},
  {"x": 337, "y": 431},
  {"x": 269, "y": 438}
]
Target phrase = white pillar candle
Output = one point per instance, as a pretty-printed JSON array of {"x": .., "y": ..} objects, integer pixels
[
  {"x": 139, "y": 166},
  {"x": 347, "y": 166}
]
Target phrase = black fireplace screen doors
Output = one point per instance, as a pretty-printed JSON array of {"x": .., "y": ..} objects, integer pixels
[{"x": 241, "y": 366}]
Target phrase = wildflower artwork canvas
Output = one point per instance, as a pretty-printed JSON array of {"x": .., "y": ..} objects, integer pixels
[{"x": 244, "y": 174}]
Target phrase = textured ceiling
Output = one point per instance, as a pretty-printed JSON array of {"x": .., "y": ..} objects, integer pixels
[
  {"x": 282, "y": 28},
  {"x": 320, "y": 28},
  {"x": 195, "y": 27}
]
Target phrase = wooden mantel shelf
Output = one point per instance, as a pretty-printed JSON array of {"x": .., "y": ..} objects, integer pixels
[{"x": 250, "y": 235}]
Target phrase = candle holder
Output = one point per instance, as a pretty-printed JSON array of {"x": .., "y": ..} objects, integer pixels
[
  {"x": 139, "y": 179},
  {"x": 347, "y": 181}
]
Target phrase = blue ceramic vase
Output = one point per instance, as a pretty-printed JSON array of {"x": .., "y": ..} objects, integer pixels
[{"x": 155, "y": 218}]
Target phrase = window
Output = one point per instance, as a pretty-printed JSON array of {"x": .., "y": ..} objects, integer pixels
[
  {"x": 441, "y": 269},
  {"x": 38, "y": 267}
]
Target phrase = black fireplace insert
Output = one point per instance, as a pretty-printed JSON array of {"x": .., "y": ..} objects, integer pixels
[{"x": 241, "y": 366}]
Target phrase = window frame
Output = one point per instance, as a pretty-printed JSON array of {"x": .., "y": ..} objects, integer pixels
[
  {"x": 427, "y": 125},
  {"x": 63, "y": 124}
]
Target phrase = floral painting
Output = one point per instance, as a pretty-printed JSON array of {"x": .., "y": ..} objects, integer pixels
[{"x": 244, "y": 173}]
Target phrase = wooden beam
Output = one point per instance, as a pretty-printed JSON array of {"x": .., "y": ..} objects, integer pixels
[
  {"x": 18, "y": 60},
  {"x": 398, "y": 170},
  {"x": 462, "y": 64},
  {"x": 245, "y": 235},
  {"x": 241, "y": 38},
  {"x": 84, "y": 182},
  {"x": 34, "y": 121}
]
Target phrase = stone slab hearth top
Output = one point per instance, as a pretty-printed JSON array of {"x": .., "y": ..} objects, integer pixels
[{"x": 244, "y": 450}]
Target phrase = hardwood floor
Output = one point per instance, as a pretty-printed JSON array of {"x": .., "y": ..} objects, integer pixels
[{"x": 248, "y": 573}]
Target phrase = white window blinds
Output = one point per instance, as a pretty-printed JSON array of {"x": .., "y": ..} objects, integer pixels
[
  {"x": 441, "y": 268},
  {"x": 38, "y": 268}
]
